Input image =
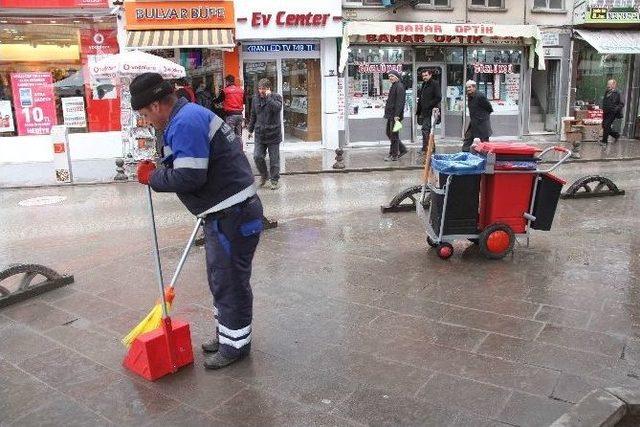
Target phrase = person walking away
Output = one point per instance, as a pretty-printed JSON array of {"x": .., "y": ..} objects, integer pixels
[
  {"x": 479, "y": 116},
  {"x": 204, "y": 96},
  {"x": 206, "y": 168},
  {"x": 394, "y": 112},
  {"x": 612, "y": 106},
  {"x": 232, "y": 100},
  {"x": 430, "y": 97},
  {"x": 265, "y": 121},
  {"x": 184, "y": 90}
]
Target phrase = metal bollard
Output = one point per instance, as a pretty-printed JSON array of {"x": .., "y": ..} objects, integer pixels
[
  {"x": 339, "y": 164},
  {"x": 120, "y": 175}
]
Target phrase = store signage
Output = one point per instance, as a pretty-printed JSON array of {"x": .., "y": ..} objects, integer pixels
[
  {"x": 53, "y": 4},
  {"x": 73, "y": 112},
  {"x": 284, "y": 19},
  {"x": 379, "y": 68},
  {"x": 607, "y": 12},
  {"x": 550, "y": 39},
  {"x": 479, "y": 68},
  {"x": 6, "y": 117},
  {"x": 281, "y": 47},
  {"x": 34, "y": 102},
  {"x": 445, "y": 34},
  {"x": 178, "y": 14}
]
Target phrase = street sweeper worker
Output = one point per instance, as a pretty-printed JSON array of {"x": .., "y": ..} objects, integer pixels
[{"x": 206, "y": 168}]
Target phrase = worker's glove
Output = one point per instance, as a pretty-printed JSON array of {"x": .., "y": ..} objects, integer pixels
[{"x": 145, "y": 167}]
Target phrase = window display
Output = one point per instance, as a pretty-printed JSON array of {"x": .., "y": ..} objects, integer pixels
[
  {"x": 497, "y": 72},
  {"x": 368, "y": 80},
  {"x": 595, "y": 69},
  {"x": 302, "y": 99},
  {"x": 45, "y": 76}
]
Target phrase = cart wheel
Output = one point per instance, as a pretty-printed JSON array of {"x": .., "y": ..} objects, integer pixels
[
  {"x": 445, "y": 250},
  {"x": 496, "y": 241},
  {"x": 431, "y": 242},
  {"x": 474, "y": 241}
]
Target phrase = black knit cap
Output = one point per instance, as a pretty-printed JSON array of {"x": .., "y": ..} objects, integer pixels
[
  {"x": 395, "y": 73},
  {"x": 147, "y": 88}
]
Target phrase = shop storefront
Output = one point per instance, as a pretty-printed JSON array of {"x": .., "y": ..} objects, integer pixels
[
  {"x": 607, "y": 46},
  {"x": 296, "y": 49},
  {"x": 497, "y": 57},
  {"x": 44, "y": 79}
]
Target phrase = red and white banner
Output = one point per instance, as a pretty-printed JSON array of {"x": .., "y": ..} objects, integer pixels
[
  {"x": 53, "y": 4},
  {"x": 34, "y": 102}
]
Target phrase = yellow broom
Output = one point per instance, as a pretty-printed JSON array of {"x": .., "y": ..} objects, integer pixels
[{"x": 154, "y": 318}]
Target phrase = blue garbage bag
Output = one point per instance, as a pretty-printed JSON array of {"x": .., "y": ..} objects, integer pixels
[{"x": 458, "y": 163}]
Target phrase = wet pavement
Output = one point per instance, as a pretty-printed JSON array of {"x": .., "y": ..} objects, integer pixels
[
  {"x": 356, "y": 321},
  {"x": 295, "y": 159}
]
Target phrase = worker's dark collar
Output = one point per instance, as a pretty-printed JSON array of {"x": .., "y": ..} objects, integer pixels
[{"x": 181, "y": 102}]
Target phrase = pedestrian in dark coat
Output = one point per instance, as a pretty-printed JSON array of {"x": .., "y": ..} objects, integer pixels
[
  {"x": 430, "y": 97},
  {"x": 612, "y": 106},
  {"x": 394, "y": 112},
  {"x": 479, "y": 114},
  {"x": 265, "y": 122}
]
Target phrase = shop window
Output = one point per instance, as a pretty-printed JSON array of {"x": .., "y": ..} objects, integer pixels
[
  {"x": 549, "y": 4},
  {"x": 433, "y": 3},
  {"x": 497, "y": 73},
  {"x": 45, "y": 76},
  {"x": 494, "y": 4},
  {"x": 368, "y": 79},
  {"x": 302, "y": 99},
  {"x": 593, "y": 72}
]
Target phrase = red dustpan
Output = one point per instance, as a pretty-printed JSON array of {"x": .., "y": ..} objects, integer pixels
[{"x": 166, "y": 349}]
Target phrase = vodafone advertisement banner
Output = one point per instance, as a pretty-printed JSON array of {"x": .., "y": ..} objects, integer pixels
[{"x": 34, "y": 102}]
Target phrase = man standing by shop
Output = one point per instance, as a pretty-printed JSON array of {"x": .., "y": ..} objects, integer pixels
[
  {"x": 430, "y": 97},
  {"x": 265, "y": 120},
  {"x": 612, "y": 106},
  {"x": 206, "y": 168},
  {"x": 232, "y": 100},
  {"x": 479, "y": 116},
  {"x": 394, "y": 112}
]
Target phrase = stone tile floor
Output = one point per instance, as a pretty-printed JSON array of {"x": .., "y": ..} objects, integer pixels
[{"x": 356, "y": 321}]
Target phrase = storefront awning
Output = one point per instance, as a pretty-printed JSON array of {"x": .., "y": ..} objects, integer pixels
[
  {"x": 415, "y": 33},
  {"x": 609, "y": 41},
  {"x": 168, "y": 39}
]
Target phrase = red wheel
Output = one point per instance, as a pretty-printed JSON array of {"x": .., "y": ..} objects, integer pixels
[
  {"x": 496, "y": 241},
  {"x": 445, "y": 250}
]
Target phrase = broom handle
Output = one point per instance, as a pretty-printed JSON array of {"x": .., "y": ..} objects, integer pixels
[
  {"x": 156, "y": 253},
  {"x": 185, "y": 253}
]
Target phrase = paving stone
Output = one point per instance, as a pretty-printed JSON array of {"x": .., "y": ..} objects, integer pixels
[
  {"x": 20, "y": 393},
  {"x": 572, "y": 388},
  {"x": 598, "y": 408},
  {"x": 528, "y": 411},
  {"x": 629, "y": 396},
  {"x": 186, "y": 416},
  {"x": 38, "y": 315},
  {"x": 506, "y": 325},
  {"x": 374, "y": 407},
  {"x": 89, "y": 306},
  {"x": 252, "y": 407},
  {"x": 20, "y": 343},
  {"x": 614, "y": 324},
  {"x": 62, "y": 412},
  {"x": 416, "y": 305},
  {"x": 632, "y": 351},
  {"x": 473, "y": 396},
  {"x": 563, "y": 316},
  {"x": 582, "y": 340}
]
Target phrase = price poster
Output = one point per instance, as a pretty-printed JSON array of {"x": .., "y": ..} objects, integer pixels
[
  {"x": 73, "y": 112},
  {"x": 34, "y": 102}
]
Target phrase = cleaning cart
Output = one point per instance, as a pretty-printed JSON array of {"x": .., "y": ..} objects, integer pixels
[{"x": 490, "y": 196}]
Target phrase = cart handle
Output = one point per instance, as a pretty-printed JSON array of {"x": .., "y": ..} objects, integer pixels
[{"x": 567, "y": 154}]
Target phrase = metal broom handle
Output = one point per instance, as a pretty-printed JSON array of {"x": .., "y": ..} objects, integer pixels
[
  {"x": 183, "y": 258},
  {"x": 157, "y": 254}
]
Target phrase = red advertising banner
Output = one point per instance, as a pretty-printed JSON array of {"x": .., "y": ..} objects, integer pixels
[
  {"x": 102, "y": 95},
  {"x": 34, "y": 102},
  {"x": 52, "y": 4}
]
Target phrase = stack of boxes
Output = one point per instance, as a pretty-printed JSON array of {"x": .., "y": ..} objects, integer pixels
[{"x": 584, "y": 126}]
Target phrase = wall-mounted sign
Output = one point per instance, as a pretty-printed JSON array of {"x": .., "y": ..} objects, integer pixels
[
  {"x": 493, "y": 68},
  {"x": 379, "y": 68},
  {"x": 148, "y": 15},
  {"x": 550, "y": 39},
  {"x": 280, "y": 47},
  {"x": 268, "y": 19},
  {"x": 53, "y": 4},
  {"x": 607, "y": 12}
]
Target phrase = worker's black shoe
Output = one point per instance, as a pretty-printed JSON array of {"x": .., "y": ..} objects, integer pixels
[
  {"x": 217, "y": 360},
  {"x": 210, "y": 346}
]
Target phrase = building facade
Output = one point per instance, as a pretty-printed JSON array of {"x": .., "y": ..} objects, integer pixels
[{"x": 498, "y": 43}]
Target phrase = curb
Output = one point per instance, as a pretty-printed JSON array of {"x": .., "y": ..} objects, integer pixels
[{"x": 602, "y": 408}]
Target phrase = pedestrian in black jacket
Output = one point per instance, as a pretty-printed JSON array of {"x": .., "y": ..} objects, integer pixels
[
  {"x": 612, "y": 106},
  {"x": 479, "y": 112},
  {"x": 430, "y": 97},
  {"x": 394, "y": 112},
  {"x": 265, "y": 121}
]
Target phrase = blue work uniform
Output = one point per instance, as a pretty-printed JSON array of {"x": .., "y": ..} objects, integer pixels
[{"x": 206, "y": 168}]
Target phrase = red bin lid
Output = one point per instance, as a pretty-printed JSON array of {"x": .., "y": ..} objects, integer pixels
[{"x": 514, "y": 148}]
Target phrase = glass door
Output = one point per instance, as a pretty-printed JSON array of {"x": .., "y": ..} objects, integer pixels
[
  {"x": 553, "y": 81},
  {"x": 437, "y": 71},
  {"x": 254, "y": 71},
  {"x": 302, "y": 96}
]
